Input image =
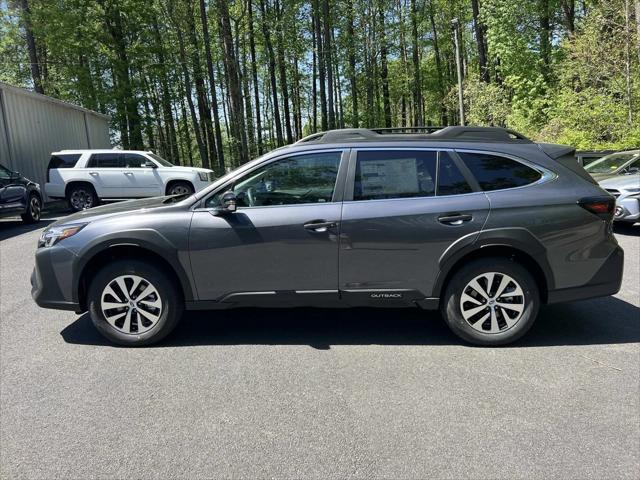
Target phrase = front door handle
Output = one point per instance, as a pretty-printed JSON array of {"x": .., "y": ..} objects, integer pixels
[
  {"x": 94, "y": 174},
  {"x": 455, "y": 218},
  {"x": 319, "y": 225},
  {"x": 128, "y": 173}
]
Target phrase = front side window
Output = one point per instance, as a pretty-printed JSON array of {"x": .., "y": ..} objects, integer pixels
[
  {"x": 291, "y": 181},
  {"x": 494, "y": 172},
  {"x": 105, "y": 160},
  {"x": 610, "y": 163},
  {"x": 389, "y": 174},
  {"x": 133, "y": 160}
]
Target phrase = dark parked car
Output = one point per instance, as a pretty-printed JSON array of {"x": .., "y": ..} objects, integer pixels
[
  {"x": 19, "y": 196},
  {"x": 480, "y": 223}
]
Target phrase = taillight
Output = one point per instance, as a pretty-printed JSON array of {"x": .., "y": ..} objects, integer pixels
[{"x": 600, "y": 206}]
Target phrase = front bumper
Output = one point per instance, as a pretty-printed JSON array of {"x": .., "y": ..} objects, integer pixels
[
  {"x": 51, "y": 280},
  {"x": 605, "y": 282},
  {"x": 627, "y": 209}
]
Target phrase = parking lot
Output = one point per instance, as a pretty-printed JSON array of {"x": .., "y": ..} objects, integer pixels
[{"x": 318, "y": 393}]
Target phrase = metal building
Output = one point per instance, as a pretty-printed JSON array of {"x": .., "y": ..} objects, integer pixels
[{"x": 33, "y": 125}]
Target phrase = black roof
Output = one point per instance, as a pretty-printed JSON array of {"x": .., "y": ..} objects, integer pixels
[{"x": 453, "y": 133}]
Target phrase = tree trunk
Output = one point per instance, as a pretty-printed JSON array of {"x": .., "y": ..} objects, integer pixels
[
  {"x": 212, "y": 86},
  {"x": 324, "y": 123},
  {"x": 272, "y": 74},
  {"x": 384, "y": 72},
  {"x": 282, "y": 68},
  {"x": 113, "y": 23},
  {"x": 480, "y": 41},
  {"x": 436, "y": 51},
  {"x": 545, "y": 35},
  {"x": 417, "y": 86},
  {"x": 329, "y": 62},
  {"x": 254, "y": 75},
  {"x": 188, "y": 93},
  {"x": 352, "y": 65},
  {"x": 31, "y": 47}
]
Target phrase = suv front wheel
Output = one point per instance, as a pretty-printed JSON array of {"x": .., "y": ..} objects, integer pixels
[
  {"x": 491, "y": 301},
  {"x": 133, "y": 303}
]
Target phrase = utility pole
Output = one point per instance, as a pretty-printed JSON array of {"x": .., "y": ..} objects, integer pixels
[{"x": 456, "y": 26}]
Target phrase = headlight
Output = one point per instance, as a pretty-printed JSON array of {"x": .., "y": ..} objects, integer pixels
[
  {"x": 53, "y": 235},
  {"x": 205, "y": 176},
  {"x": 633, "y": 190}
]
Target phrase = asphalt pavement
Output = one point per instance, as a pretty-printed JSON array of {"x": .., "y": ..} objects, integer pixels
[{"x": 311, "y": 393}]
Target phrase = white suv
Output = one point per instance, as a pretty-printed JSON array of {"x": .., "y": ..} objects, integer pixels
[{"x": 85, "y": 177}]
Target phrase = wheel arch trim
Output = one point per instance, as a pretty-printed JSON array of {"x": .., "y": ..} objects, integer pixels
[
  {"x": 139, "y": 239},
  {"x": 516, "y": 239}
]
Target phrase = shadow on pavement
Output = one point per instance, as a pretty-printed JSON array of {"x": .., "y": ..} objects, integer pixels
[
  {"x": 602, "y": 321},
  {"x": 629, "y": 229},
  {"x": 12, "y": 228}
]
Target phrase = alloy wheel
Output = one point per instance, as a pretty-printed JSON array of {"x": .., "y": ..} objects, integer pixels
[
  {"x": 81, "y": 199},
  {"x": 131, "y": 304},
  {"x": 35, "y": 208},
  {"x": 180, "y": 190},
  {"x": 492, "y": 302}
]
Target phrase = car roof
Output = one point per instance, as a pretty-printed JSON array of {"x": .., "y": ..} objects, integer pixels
[{"x": 98, "y": 150}]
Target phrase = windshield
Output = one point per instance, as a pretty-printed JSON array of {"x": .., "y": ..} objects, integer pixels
[
  {"x": 160, "y": 160},
  {"x": 610, "y": 163}
]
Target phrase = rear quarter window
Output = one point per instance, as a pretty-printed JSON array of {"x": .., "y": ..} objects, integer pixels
[
  {"x": 494, "y": 172},
  {"x": 64, "y": 161}
]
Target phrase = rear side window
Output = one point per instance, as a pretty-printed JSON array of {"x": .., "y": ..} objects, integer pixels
[
  {"x": 450, "y": 178},
  {"x": 64, "y": 161},
  {"x": 496, "y": 173},
  {"x": 395, "y": 174},
  {"x": 105, "y": 160}
]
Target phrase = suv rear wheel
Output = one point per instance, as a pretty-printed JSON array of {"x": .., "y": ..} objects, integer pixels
[
  {"x": 491, "y": 301},
  {"x": 81, "y": 197},
  {"x": 133, "y": 303}
]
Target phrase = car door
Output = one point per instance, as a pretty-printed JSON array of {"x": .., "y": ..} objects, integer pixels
[
  {"x": 140, "y": 180},
  {"x": 106, "y": 173},
  {"x": 282, "y": 242},
  {"x": 12, "y": 191},
  {"x": 403, "y": 209}
]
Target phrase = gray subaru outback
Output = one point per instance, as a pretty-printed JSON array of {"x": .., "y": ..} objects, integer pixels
[{"x": 480, "y": 223}]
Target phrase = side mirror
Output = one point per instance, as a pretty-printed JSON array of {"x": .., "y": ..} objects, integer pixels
[
  {"x": 150, "y": 164},
  {"x": 229, "y": 203}
]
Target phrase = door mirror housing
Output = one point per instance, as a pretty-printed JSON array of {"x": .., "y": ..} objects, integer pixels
[
  {"x": 228, "y": 202},
  {"x": 150, "y": 164}
]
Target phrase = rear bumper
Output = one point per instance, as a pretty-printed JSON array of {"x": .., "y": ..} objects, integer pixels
[{"x": 605, "y": 282}]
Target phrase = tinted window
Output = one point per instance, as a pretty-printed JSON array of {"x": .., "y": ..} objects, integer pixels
[
  {"x": 394, "y": 174},
  {"x": 450, "y": 179},
  {"x": 105, "y": 160},
  {"x": 133, "y": 160},
  {"x": 293, "y": 180},
  {"x": 495, "y": 173},
  {"x": 64, "y": 161},
  {"x": 4, "y": 173}
]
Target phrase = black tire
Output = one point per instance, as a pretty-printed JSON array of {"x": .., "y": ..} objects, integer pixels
[
  {"x": 168, "y": 292},
  {"x": 180, "y": 188},
  {"x": 451, "y": 307},
  {"x": 81, "y": 197},
  {"x": 34, "y": 209}
]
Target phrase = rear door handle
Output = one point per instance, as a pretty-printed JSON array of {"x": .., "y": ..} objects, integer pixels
[
  {"x": 95, "y": 174},
  {"x": 455, "y": 218},
  {"x": 319, "y": 225},
  {"x": 128, "y": 173}
]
